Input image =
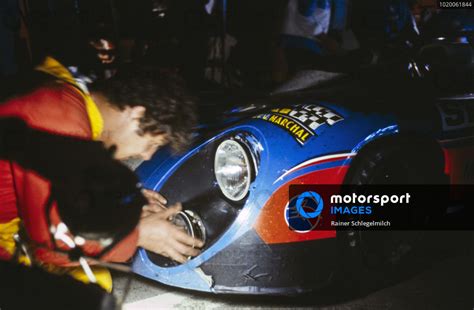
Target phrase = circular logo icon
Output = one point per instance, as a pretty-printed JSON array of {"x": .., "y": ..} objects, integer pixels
[
  {"x": 302, "y": 211},
  {"x": 311, "y": 201}
]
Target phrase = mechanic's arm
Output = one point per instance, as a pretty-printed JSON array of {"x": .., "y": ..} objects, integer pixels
[{"x": 32, "y": 152}]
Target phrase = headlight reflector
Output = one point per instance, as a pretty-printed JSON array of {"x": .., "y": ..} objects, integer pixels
[{"x": 233, "y": 170}]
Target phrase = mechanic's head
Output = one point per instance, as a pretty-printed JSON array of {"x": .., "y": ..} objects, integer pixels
[{"x": 144, "y": 111}]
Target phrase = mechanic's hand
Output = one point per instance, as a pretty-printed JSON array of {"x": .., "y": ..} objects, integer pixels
[
  {"x": 158, "y": 235},
  {"x": 156, "y": 203}
]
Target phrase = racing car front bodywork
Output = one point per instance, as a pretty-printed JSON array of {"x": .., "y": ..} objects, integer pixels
[{"x": 249, "y": 246}]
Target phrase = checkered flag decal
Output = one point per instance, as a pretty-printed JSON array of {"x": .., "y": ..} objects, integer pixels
[{"x": 314, "y": 116}]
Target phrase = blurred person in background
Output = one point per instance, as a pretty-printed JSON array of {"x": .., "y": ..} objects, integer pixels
[{"x": 311, "y": 30}]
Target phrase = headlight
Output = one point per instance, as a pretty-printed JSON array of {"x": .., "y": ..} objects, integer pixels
[
  {"x": 232, "y": 169},
  {"x": 192, "y": 223}
]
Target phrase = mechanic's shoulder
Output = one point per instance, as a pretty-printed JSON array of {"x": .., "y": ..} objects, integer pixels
[{"x": 56, "y": 107}]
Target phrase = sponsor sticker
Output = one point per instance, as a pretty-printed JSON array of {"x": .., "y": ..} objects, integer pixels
[
  {"x": 301, "y": 121},
  {"x": 457, "y": 115}
]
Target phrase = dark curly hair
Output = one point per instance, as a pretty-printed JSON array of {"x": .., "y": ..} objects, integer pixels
[{"x": 170, "y": 108}]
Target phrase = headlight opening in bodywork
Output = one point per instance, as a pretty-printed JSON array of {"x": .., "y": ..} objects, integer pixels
[
  {"x": 207, "y": 212},
  {"x": 233, "y": 167}
]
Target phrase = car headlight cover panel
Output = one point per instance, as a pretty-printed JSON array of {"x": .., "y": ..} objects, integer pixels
[{"x": 232, "y": 169}]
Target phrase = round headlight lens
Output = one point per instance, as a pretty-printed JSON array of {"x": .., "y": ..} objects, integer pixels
[
  {"x": 232, "y": 169},
  {"x": 191, "y": 223}
]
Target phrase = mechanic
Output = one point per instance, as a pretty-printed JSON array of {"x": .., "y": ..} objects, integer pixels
[
  {"x": 132, "y": 115},
  {"x": 311, "y": 29}
]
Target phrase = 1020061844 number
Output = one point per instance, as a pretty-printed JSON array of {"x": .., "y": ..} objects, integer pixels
[{"x": 455, "y": 4}]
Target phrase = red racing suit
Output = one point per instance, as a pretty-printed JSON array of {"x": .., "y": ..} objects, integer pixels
[{"x": 62, "y": 109}]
